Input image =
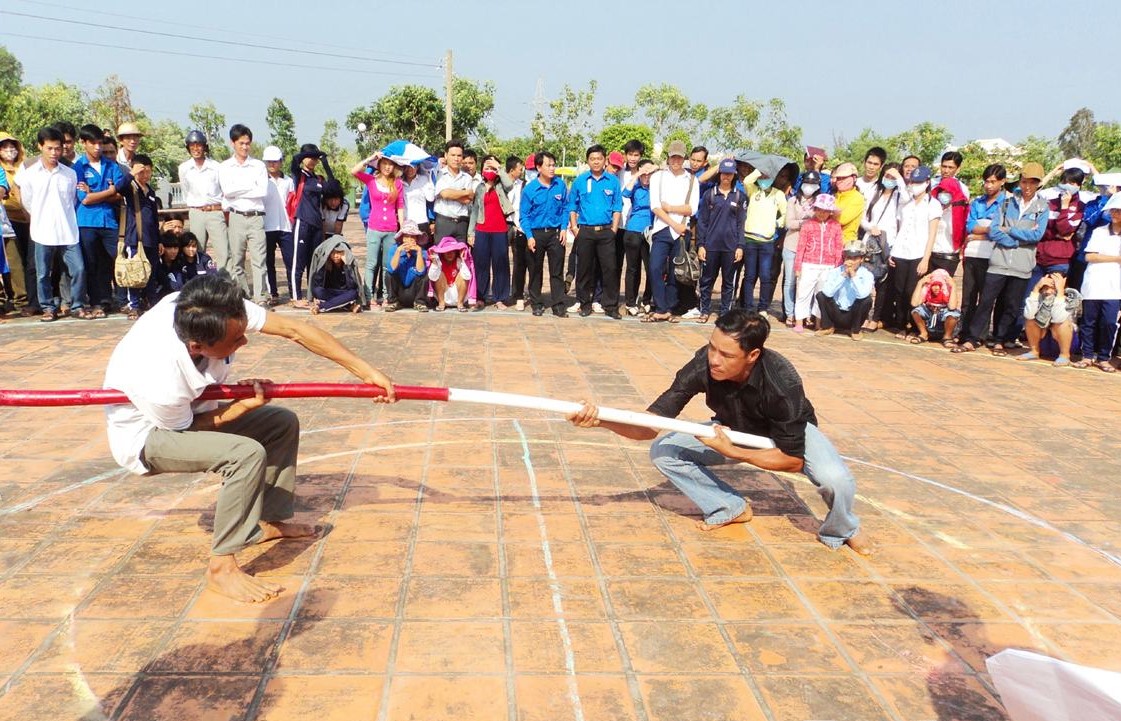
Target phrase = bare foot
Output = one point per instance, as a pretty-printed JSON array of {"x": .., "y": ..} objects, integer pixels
[
  {"x": 225, "y": 577},
  {"x": 355, "y": 308},
  {"x": 313, "y": 306},
  {"x": 276, "y": 530},
  {"x": 742, "y": 518},
  {"x": 301, "y": 303},
  {"x": 861, "y": 543}
]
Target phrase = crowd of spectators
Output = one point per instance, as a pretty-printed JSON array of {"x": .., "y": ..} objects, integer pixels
[{"x": 903, "y": 247}]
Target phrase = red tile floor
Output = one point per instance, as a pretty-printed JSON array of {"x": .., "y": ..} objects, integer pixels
[{"x": 490, "y": 564}]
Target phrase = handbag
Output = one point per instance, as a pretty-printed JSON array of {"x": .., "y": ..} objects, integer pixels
[
  {"x": 686, "y": 264},
  {"x": 132, "y": 272}
]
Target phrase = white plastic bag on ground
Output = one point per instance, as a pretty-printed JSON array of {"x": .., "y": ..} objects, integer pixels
[{"x": 1039, "y": 688}]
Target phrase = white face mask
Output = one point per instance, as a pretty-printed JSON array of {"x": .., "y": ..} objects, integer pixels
[
  {"x": 918, "y": 188},
  {"x": 808, "y": 190},
  {"x": 9, "y": 154}
]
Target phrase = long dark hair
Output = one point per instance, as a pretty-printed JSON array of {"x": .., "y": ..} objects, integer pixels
[{"x": 880, "y": 189}]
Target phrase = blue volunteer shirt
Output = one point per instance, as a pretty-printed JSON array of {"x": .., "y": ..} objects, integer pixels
[
  {"x": 641, "y": 217},
  {"x": 595, "y": 200},
  {"x": 406, "y": 271},
  {"x": 981, "y": 209},
  {"x": 542, "y": 206},
  {"x": 98, "y": 215}
]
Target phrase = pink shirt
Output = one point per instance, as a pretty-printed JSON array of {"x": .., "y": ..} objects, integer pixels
[{"x": 383, "y": 214}]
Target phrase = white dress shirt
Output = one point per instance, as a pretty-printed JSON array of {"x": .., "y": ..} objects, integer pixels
[
  {"x": 665, "y": 187},
  {"x": 447, "y": 181},
  {"x": 50, "y": 197},
  {"x": 418, "y": 194},
  {"x": 244, "y": 185},
  {"x": 276, "y": 204},
  {"x": 200, "y": 184}
]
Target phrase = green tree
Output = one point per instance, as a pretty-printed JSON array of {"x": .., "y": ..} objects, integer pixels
[
  {"x": 926, "y": 140},
  {"x": 471, "y": 104},
  {"x": 111, "y": 104},
  {"x": 282, "y": 127},
  {"x": 665, "y": 107},
  {"x": 1107, "y": 146},
  {"x": 35, "y": 106},
  {"x": 11, "y": 78},
  {"x": 1077, "y": 138},
  {"x": 732, "y": 127},
  {"x": 1035, "y": 148},
  {"x": 205, "y": 117},
  {"x": 675, "y": 134},
  {"x": 614, "y": 137},
  {"x": 853, "y": 151},
  {"x": 778, "y": 136},
  {"x": 520, "y": 146},
  {"x": 163, "y": 143},
  {"x": 567, "y": 129}
]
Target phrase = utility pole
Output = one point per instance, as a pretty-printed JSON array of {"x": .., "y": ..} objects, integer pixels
[{"x": 448, "y": 96}]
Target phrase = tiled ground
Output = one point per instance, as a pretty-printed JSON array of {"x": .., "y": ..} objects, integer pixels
[{"x": 486, "y": 564}]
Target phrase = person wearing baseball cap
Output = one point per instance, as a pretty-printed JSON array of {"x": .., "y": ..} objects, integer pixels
[
  {"x": 845, "y": 297},
  {"x": 814, "y": 161},
  {"x": 674, "y": 199},
  {"x": 278, "y": 228},
  {"x": 202, "y": 193},
  {"x": 1017, "y": 229},
  {"x": 720, "y": 232},
  {"x": 129, "y": 135},
  {"x": 919, "y": 216}
]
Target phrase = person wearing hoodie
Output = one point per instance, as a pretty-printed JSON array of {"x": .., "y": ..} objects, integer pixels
[
  {"x": 935, "y": 308},
  {"x": 18, "y": 248},
  {"x": 336, "y": 280},
  {"x": 766, "y": 214}
]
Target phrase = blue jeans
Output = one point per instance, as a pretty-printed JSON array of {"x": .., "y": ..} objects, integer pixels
[
  {"x": 788, "y": 282},
  {"x": 757, "y": 261},
  {"x": 72, "y": 258},
  {"x": 380, "y": 246},
  {"x": 663, "y": 247},
  {"x": 1097, "y": 331},
  {"x": 685, "y": 461},
  {"x": 492, "y": 254}
]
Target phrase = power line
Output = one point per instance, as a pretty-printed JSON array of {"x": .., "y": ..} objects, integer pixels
[
  {"x": 179, "y": 36},
  {"x": 212, "y": 57},
  {"x": 178, "y": 24}
]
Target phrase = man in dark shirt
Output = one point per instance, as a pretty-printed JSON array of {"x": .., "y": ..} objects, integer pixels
[{"x": 751, "y": 390}]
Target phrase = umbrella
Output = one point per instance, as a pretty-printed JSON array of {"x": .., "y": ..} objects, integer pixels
[
  {"x": 403, "y": 152},
  {"x": 769, "y": 165}
]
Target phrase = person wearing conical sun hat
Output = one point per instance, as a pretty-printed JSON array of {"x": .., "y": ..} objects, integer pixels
[{"x": 129, "y": 135}]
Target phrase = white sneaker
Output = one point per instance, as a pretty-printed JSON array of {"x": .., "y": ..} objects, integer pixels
[
  {"x": 520, "y": 305},
  {"x": 764, "y": 314},
  {"x": 574, "y": 308},
  {"x": 597, "y": 308},
  {"x": 692, "y": 313},
  {"x": 632, "y": 310}
]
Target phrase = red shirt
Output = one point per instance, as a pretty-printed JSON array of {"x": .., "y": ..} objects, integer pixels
[{"x": 494, "y": 221}]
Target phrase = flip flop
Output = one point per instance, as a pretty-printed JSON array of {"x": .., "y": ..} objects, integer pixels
[
  {"x": 1106, "y": 367},
  {"x": 965, "y": 347},
  {"x": 916, "y": 340},
  {"x": 1029, "y": 356}
]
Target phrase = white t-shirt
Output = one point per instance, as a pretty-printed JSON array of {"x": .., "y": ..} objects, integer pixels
[
  {"x": 944, "y": 239},
  {"x": 1102, "y": 281},
  {"x": 867, "y": 188},
  {"x": 276, "y": 199},
  {"x": 418, "y": 194},
  {"x": 330, "y": 217},
  {"x": 914, "y": 226},
  {"x": 50, "y": 197},
  {"x": 665, "y": 187},
  {"x": 153, "y": 368}
]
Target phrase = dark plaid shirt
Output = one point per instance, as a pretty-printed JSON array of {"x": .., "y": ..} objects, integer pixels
[{"x": 769, "y": 403}]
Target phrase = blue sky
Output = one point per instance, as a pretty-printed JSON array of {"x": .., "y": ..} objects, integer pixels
[{"x": 983, "y": 69}]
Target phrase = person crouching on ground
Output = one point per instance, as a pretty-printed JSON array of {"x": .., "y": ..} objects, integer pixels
[
  {"x": 845, "y": 297},
  {"x": 193, "y": 261},
  {"x": 449, "y": 273},
  {"x": 935, "y": 308},
  {"x": 1052, "y": 308},
  {"x": 335, "y": 280},
  {"x": 408, "y": 270}
]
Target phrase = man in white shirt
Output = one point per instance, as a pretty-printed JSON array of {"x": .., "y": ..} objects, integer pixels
[
  {"x": 455, "y": 191},
  {"x": 48, "y": 189},
  {"x": 129, "y": 135},
  {"x": 163, "y": 364},
  {"x": 278, "y": 228},
  {"x": 245, "y": 183},
  {"x": 674, "y": 198},
  {"x": 874, "y": 160},
  {"x": 198, "y": 179}
]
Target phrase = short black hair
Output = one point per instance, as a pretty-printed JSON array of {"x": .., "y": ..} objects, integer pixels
[
  {"x": 48, "y": 133},
  {"x": 908, "y": 157},
  {"x": 540, "y": 157},
  {"x": 204, "y": 307},
  {"x": 109, "y": 140},
  {"x": 634, "y": 146},
  {"x": 187, "y": 238},
  {"x": 333, "y": 189},
  {"x": 699, "y": 149},
  {"x": 1073, "y": 175},
  {"x": 90, "y": 133},
  {"x": 453, "y": 143},
  {"x": 142, "y": 160},
  {"x": 169, "y": 239},
  {"x": 512, "y": 161},
  {"x": 239, "y": 131},
  {"x": 749, "y": 328},
  {"x": 66, "y": 128},
  {"x": 469, "y": 153},
  {"x": 995, "y": 170},
  {"x": 876, "y": 152},
  {"x": 597, "y": 148},
  {"x": 954, "y": 157}
]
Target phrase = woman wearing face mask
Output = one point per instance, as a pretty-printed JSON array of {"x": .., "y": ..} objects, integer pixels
[
  {"x": 798, "y": 210},
  {"x": 18, "y": 249},
  {"x": 878, "y": 227},
  {"x": 766, "y": 213},
  {"x": 486, "y": 234},
  {"x": 919, "y": 216}
]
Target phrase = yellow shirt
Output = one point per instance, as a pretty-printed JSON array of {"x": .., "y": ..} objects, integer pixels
[{"x": 850, "y": 206}]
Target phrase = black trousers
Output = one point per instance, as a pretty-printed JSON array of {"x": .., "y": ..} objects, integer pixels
[
  {"x": 548, "y": 246},
  {"x": 947, "y": 262},
  {"x": 1010, "y": 292},
  {"x": 407, "y": 296},
  {"x": 636, "y": 251},
  {"x": 972, "y": 282},
  {"x": 596, "y": 243},
  {"x": 850, "y": 320},
  {"x": 521, "y": 263},
  {"x": 901, "y": 282},
  {"x": 455, "y": 227}
]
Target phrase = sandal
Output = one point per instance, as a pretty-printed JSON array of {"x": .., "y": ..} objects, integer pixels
[
  {"x": 440, "y": 308},
  {"x": 673, "y": 319},
  {"x": 1061, "y": 362},
  {"x": 462, "y": 308},
  {"x": 84, "y": 314},
  {"x": 966, "y": 347},
  {"x": 1084, "y": 363},
  {"x": 1106, "y": 367},
  {"x": 999, "y": 351},
  {"x": 949, "y": 343},
  {"x": 49, "y": 316},
  {"x": 703, "y": 319},
  {"x": 656, "y": 317},
  {"x": 916, "y": 340}
]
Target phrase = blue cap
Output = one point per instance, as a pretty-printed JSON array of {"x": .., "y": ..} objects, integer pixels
[
  {"x": 920, "y": 174},
  {"x": 728, "y": 165}
]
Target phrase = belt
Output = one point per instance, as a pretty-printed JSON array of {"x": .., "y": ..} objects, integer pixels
[
  {"x": 208, "y": 208},
  {"x": 597, "y": 228},
  {"x": 453, "y": 218},
  {"x": 944, "y": 256},
  {"x": 248, "y": 213}
]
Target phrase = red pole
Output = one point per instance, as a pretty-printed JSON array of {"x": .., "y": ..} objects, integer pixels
[{"x": 94, "y": 397}]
